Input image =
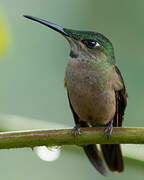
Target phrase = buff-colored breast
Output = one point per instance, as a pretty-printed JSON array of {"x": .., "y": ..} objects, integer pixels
[{"x": 91, "y": 92}]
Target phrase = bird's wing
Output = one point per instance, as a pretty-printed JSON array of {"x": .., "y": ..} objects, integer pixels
[
  {"x": 121, "y": 101},
  {"x": 112, "y": 152}
]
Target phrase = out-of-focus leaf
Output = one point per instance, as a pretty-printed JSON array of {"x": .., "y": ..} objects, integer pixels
[
  {"x": 133, "y": 151},
  {"x": 5, "y": 38},
  {"x": 14, "y": 122}
]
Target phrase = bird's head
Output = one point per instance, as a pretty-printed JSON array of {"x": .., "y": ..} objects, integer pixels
[{"x": 86, "y": 43}]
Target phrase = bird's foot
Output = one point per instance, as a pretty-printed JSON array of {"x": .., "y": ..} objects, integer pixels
[
  {"x": 108, "y": 129},
  {"x": 76, "y": 130}
]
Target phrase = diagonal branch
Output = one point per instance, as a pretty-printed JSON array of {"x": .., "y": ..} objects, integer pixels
[{"x": 59, "y": 137}]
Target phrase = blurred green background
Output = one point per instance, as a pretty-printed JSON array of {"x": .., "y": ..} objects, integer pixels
[{"x": 32, "y": 70}]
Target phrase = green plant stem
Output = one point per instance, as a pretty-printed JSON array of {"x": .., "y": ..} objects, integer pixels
[{"x": 59, "y": 137}]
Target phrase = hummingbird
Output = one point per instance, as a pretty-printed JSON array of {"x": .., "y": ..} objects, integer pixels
[{"x": 95, "y": 89}]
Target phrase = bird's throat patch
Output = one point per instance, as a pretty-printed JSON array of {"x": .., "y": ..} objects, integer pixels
[{"x": 73, "y": 55}]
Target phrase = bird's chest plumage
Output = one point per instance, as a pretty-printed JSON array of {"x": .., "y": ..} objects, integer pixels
[{"x": 90, "y": 92}]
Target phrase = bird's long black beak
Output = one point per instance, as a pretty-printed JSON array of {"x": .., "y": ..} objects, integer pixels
[{"x": 49, "y": 24}]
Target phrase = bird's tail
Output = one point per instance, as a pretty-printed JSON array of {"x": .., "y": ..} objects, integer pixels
[
  {"x": 113, "y": 157},
  {"x": 93, "y": 155}
]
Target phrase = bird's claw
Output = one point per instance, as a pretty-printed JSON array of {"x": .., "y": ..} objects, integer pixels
[
  {"x": 76, "y": 130},
  {"x": 108, "y": 129}
]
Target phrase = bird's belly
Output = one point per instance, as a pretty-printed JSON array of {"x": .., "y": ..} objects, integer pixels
[
  {"x": 97, "y": 110},
  {"x": 92, "y": 103}
]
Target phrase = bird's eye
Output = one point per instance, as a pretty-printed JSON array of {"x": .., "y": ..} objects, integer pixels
[{"x": 90, "y": 43}]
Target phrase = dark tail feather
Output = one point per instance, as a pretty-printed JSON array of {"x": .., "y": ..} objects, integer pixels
[
  {"x": 92, "y": 153},
  {"x": 113, "y": 157}
]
